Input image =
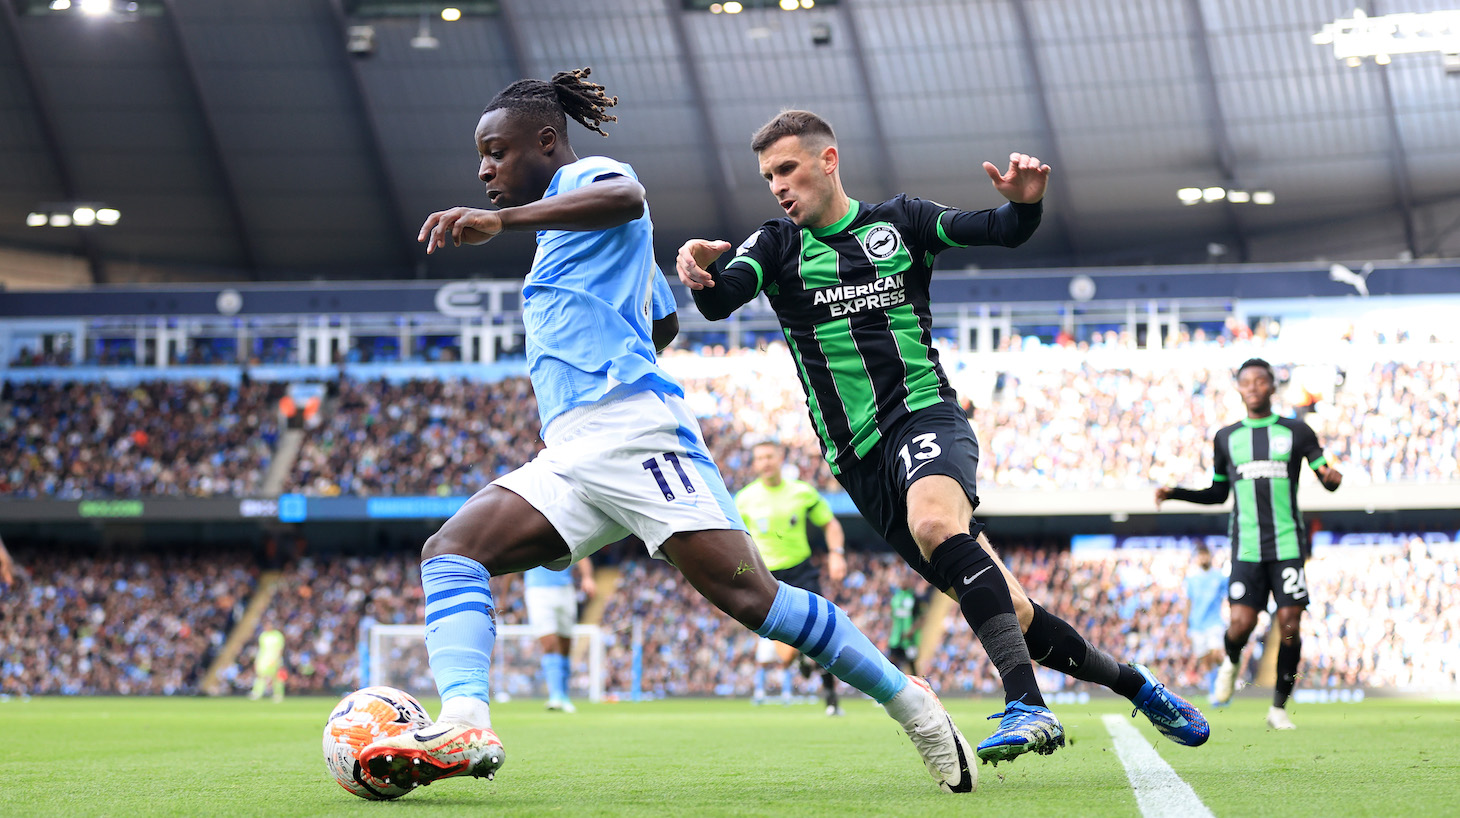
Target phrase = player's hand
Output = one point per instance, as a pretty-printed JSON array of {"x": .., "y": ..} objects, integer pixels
[
  {"x": 1330, "y": 477},
  {"x": 836, "y": 567},
  {"x": 465, "y": 225},
  {"x": 694, "y": 259},
  {"x": 1023, "y": 182},
  {"x": 589, "y": 586},
  {"x": 1162, "y": 495}
]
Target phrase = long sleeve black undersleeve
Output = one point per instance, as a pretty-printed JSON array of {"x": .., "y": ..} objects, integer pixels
[
  {"x": 733, "y": 287},
  {"x": 1008, "y": 225},
  {"x": 1211, "y": 495}
]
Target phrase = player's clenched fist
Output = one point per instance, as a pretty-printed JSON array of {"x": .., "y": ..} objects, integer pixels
[
  {"x": 465, "y": 225},
  {"x": 694, "y": 260}
]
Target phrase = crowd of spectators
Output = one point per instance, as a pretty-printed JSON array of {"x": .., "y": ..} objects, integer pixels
[
  {"x": 1382, "y": 616},
  {"x": 143, "y": 624},
  {"x": 420, "y": 437},
  {"x": 1043, "y": 424},
  {"x": 181, "y": 438},
  {"x": 322, "y": 605}
]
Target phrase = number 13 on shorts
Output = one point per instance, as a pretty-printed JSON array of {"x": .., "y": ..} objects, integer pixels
[{"x": 928, "y": 449}]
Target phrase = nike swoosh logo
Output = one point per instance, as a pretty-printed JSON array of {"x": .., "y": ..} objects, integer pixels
[
  {"x": 809, "y": 256},
  {"x": 969, "y": 580},
  {"x": 965, "y": 779},
  {"x": 423, "y": 737},
  {"x": 912, "y": 471}
]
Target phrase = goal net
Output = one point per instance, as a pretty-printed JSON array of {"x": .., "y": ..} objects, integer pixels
[{"x": 395, "y": 656}]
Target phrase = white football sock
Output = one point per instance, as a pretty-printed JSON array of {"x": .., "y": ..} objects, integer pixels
[
  {"x": 909, "y": 703},
  {"x": 466, "y": 710}
]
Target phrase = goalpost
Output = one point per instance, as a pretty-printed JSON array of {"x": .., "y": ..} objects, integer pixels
[{"x": 395, "y": 656}]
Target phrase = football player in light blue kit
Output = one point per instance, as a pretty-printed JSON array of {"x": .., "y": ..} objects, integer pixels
[
  {"x": 552, "y": 611},
  {"x": 1206, "y": 588},
  {"x": 624, "y": 453}
]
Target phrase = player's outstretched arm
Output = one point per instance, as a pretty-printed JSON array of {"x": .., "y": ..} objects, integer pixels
[
  {"x": 1212, "y": 495},
  {"x": 694, "y": 260},
  {"x": 717, "y": 293},
  {"x": 598, "y": 206}
]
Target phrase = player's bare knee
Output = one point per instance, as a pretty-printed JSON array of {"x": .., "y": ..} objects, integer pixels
[{"x": 931, "y": 530}]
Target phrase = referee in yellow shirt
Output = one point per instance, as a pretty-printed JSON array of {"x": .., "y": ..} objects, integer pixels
[{"x": 776, "y": 511}]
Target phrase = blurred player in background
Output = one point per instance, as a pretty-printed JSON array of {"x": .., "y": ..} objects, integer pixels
[
  {"x": 902, "y": 641},
  {"x": 624, "y": 452},
  {"x": 552, "y": 610},
  {"x": 1206, "y": 589},
  {"x": 1261, "y": 457},
  {"x": 849, "y": 283},
  {"x": 776, "y": 510},
  {"x": 268, "y": 664}
]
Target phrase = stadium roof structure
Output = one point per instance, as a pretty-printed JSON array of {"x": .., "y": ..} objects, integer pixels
[{"x": 269, "y": 140}]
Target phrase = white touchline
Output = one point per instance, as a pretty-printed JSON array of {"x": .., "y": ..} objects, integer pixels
[{"x": 1160, "y": 792}]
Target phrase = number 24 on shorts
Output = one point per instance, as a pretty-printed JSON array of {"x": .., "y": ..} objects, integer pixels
[{"x": 652, "y": 466}]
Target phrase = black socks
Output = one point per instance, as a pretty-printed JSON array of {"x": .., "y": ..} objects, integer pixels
[
  {"x": 1055, "y": 644},
  {"x": 983, "y": 595},
  {"x": 1290, "y": 654}
]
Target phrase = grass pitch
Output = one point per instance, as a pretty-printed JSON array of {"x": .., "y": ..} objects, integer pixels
[{"x": 230, "y": 757}]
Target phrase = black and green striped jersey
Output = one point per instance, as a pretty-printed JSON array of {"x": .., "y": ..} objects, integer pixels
[
  {"x": 852, "y": 299},
  {"x": 904, "y": 614},
  {"x": 1261, "y": 460}
]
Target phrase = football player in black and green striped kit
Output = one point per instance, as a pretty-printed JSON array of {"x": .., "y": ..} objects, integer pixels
[
  {"x": 1260, "y": 458},
  {"x": 849, "y": 282}
]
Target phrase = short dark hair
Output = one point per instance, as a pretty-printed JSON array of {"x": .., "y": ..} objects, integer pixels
[
  {"x": 791, "y": 123},
  {"x": 568, "y": 95},
  {"x": 1260, "y": 364}
]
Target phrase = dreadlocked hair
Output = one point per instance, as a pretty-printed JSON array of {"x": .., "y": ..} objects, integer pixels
[{"x": 568, "y": 95}]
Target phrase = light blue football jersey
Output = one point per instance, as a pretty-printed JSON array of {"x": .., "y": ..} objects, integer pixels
[
  {"x": 589, "y": 305},
  {"x": 541, "y": 577},
  {"x": 1206, "y": 590}
]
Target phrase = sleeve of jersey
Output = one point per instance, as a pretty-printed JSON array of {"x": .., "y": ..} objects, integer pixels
[
  {"x": 663, "y": 299},
  {"x": 1309, "y": 449},
  {"x": 592, "y": 169},
  {"x": 1219, "y": 489},
  {"x": 743, "y": 277},
  {"x": 1009, "y": 225},
  {"x": 818, "y": 511}
]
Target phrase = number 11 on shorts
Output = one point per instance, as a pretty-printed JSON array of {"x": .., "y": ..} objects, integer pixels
[{"x": 652, "y": 466}]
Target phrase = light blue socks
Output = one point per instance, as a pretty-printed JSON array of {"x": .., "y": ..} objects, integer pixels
[
  {"x": 822, "y": 631},
  {"x": 460, "y": 631}
]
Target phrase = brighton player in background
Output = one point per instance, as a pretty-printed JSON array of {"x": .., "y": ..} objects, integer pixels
[
  {"x": 902, "y": 641},
  {"x": 1206, "y": 589},
  {"x": 849, "y": 283},
  {"x": 552, "y": 610},
  {"x": 1260, "y": 459},
  {"x": 624, "y": 453},
  {"x": 776, "y": 510},
  {"x": 268, "y": 663}
]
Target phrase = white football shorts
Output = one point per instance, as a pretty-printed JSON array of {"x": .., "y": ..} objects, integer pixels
[
  {"x": 633, "y": 465},
  {"x": 1208, "y": 639},
  {"x": 766, "y": 652},
  {"x": 551, "y": 609}
]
